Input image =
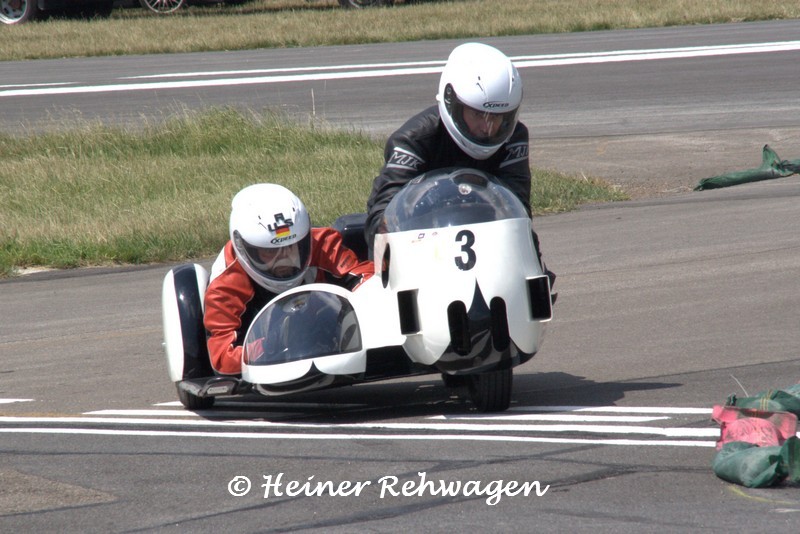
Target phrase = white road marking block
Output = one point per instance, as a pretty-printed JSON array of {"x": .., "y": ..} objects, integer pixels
[{"x": 514, "y": 425}]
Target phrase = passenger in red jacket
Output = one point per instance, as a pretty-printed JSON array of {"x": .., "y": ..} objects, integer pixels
[{"x": 272, "y": 249}]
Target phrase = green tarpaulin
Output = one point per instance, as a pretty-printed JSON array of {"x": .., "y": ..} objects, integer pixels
[
  {"x": 757, "y": 467},
  {"x": 774, "y": 400},
  {"x": 771, "y": 167}
]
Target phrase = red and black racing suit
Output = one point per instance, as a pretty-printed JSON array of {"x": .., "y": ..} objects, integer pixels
[
  {"x": 423, "y": 144},
  {"x": 232, "y": 298}
]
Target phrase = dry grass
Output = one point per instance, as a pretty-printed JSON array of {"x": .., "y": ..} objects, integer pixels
[
  {"x": 96, "y": 195},
  {"x": 288, "y": 23}
]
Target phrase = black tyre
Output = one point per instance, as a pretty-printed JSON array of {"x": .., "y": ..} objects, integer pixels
[
  {"x": 193, "y": 402},
  {"x": 18, "y": 11},
  {"x": 357, "y": 4},
  {"x": 491, "y": 391},
  {"x": 162, "y": 6}
]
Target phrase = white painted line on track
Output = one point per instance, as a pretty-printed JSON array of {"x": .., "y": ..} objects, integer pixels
[
  {"x": 655, "y": 54},
  {"x": 553, "y": 417},
  {"x": 50, "y": 84},
  {"x": 266, "y": 404},
  {"x": 12, "y": 401},
  {"x": 164, "y": 413},
  {"x": 463, "y": 427},
  {"x": 515, "y": 425},
  {"x": 358, "y": 437},
  {"x": 521, "y": 61},
  {"x": 520, "y": 417},
  {"x": 323, "y": 73},
  {"x": 221, "y": 82},
  {"x": 548, "y": 408},
  {"x": 439, "y": 64},
  {"x": 613, "y": 409}
]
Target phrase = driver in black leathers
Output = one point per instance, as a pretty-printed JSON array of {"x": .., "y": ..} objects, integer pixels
[
  {"x": 423, "y": 144},
  {"x": 473, "y": 125}
]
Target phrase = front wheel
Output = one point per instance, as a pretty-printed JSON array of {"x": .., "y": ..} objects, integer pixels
[
  {"x": 18, "y": 11},
  {"x": 162, "y": 6},
  {"x": 364, "y": 3},
  {"x": 491, "y": 391}
]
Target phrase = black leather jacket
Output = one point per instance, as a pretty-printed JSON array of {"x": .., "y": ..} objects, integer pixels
[{"x": 423, "y": 144}]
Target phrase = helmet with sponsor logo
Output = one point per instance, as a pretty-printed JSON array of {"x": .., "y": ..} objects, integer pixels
[
  {"x": 480, "y": 93},
  {"x": 271, "y": 234}
]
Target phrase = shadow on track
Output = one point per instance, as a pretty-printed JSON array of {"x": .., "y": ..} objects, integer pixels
[{"x": 421, "y": 397}]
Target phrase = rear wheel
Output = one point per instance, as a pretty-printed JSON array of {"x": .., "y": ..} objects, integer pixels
[
  {"x": 193, "y": 402},
  {"x": 162, "y": 6},
  {"x": 18, "y": 11},
  {"x": 491, "y": 391}
]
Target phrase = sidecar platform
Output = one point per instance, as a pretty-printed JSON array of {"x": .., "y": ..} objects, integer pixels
[{"x": 212, "y": 386}]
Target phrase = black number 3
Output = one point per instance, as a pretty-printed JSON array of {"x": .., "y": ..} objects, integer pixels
[{"x": 467, "y": 239}]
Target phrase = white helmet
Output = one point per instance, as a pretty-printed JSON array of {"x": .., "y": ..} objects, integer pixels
[
  {"x": 271, "y": 234},
  {"x": 480, "y": 92}
]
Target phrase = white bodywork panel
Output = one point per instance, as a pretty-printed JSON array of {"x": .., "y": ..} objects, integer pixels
[
  {"x": 426, "y": 261},
  {"x": 173, "y": 338}
]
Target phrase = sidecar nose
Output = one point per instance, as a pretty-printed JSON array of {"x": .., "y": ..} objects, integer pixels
[{"x": 479, "y": 336}]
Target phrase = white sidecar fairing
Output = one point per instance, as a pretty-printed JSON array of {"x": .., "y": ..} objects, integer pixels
[
  {"x": 182, "y": 315},
  {"x": 310, "y": 337},
  {"x": 457, "y": 251}
]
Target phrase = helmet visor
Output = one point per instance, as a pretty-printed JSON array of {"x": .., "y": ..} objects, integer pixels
[
  {"x": 486, "y": 128},
  {"x": 277, "y": 263}
]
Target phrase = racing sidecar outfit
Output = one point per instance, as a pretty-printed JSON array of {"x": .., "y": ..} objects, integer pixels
[{"x": 232, "y": 298}]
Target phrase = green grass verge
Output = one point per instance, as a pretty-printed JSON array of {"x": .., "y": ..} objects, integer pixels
[{"x": 97, "y": 195}]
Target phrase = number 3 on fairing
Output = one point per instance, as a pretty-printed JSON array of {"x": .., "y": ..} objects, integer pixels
[{"x": 467, "y": 239}]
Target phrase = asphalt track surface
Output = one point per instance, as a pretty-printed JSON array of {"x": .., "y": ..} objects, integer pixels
[{"x": 667, "y": 304}]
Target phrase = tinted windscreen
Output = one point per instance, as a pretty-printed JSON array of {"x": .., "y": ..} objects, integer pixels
[
  {"x": 451, "y": 197},
  {"x": 301, "y": 326}
]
